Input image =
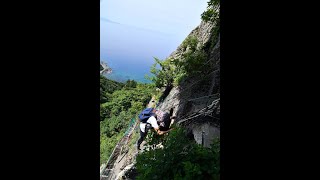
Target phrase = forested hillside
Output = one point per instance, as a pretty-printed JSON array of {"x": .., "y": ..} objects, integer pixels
[{"x": 119, "y": 103}]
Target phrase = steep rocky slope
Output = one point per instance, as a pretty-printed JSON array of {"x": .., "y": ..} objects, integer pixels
[
  {"x": 195, "y": 101},
  {"x": 199, "y": 92}
]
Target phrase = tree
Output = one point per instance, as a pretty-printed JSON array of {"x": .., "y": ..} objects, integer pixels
[
  {"x": 131, "y": 83},
  {"x": 212, "y": 14},
  {"x": 163, "y": 76}
]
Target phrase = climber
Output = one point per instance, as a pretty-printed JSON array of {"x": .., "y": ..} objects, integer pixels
[
  {"x": 151, "y": 121},
  {"x": 165, "y": 119}
]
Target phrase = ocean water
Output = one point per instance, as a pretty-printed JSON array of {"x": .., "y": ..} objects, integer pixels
[
  {"x": 129, "y": 51},
  {"x": 124, "y": 70},
  {"x": 132, "y": 33}
]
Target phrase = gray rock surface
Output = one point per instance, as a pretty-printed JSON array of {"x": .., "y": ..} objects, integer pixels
[{"x": 106, "y": 69}]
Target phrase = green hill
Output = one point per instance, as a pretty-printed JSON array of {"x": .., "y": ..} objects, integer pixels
[{"x": 119, "y": 103}]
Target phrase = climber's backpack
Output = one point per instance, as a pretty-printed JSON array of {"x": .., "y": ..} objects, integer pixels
[
  {"x": 146, "y": 114},
  {"x": 164, "y": 122}
]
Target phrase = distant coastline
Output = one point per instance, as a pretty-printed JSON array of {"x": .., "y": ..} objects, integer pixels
[
  {"x": 104, "y": 68},
  {"x": 123, "y": 73},
  {"x": 123, "y": 77}
]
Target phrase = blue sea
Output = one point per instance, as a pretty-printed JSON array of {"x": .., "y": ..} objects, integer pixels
[
  {"x": 129, "y": 50},
  {"x": 123, "y": 70}
]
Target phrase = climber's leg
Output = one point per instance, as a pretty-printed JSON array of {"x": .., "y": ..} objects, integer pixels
[{"x": 142, "y": 136}]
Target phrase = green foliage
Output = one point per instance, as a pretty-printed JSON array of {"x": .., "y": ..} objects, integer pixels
[
  {"x": 193, "y": 58},
  {"x": 190, "y": 42},
  {"x": 107, "y": 87},
  {"x": 131, "y": 84},
  {"x": 157, "y": 94},
  {"x": 106, "y": 146},
  {"x": 124, "y": 102},
  {"x": 174, "y": 71},
  {"x": 164, "y": 76},
  {"x": 180, "y": 158},
  {"x": 212, "y": 14}
]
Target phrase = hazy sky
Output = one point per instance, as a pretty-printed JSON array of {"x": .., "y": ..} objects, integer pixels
[{"x": 135, "y": 31}]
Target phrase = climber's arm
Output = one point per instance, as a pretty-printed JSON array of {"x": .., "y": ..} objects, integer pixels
[
  {"x": 161, "y": 132},
  {"x": 152, "y": 120}
]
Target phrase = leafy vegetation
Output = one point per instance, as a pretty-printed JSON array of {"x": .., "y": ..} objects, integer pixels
[
  {"x": 120, "y": 103},
  {"x": 174, "y": 71},
  {"x": 131, "y": 84},
  {"x": 107, "y": 87},
  {"x": 212, "y": 14},
  {"x": 193, "y": 58},
  {"x": 180, "y": 158},
  {"x": 192, "y": 61},
  {"x": 164, "y": 76}
]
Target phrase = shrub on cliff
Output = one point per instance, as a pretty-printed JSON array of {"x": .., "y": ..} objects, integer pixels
[{"x": 180, "y": 158}]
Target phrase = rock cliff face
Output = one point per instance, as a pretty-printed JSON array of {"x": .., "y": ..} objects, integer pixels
[
  {"x": 197, "y": 93},
  {"x": 203, "y": 33}
]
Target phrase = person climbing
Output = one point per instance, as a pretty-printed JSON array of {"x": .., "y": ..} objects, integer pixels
[
  {"x": 165, "y": 119},
  {"x": 147, "y": 120}
]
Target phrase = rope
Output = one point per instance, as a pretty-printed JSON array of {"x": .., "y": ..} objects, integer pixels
[
  {"x": 214, "y": 95},
  {"x": 198, "y": 110},
  {"x": 201, "y": 111},
  {"x": 190, "y": 86},
  {"x": 196, "y": 82}
]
